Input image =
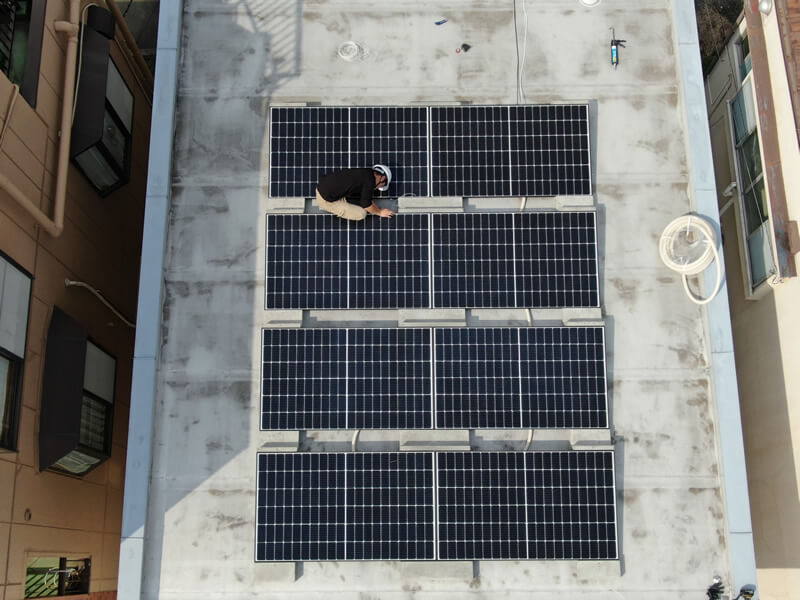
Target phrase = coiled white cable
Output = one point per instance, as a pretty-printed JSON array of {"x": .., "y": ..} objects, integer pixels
[{"x": 688, "y": 246}]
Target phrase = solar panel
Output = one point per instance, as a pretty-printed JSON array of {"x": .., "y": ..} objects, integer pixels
[
  {"x": 526, "y": 505},
  {"x": 390, "y": 506},
  {"x": 346, "y": 379},
  {"x": 541, "y": 377},
  {"x": 306, "y": 142},
  {"x": 389, "y": 379},
  {"x": 300, "y": 507},
  {"x": 396, "y": 137},
  {"x": 337, "y": 506},
  {"x": 563, "y": 377},
  {"x": 477, "y": 378},
  {"x": 556, "y": 259},
  {"x": 510, "y": 150},
  {"x": 498, "y": 260},
  {"x": 321, "y": 261}
]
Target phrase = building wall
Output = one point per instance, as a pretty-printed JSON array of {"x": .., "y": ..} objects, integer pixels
[
  {"x": 46, "y": 512},
  {"x": 766, "y": 328}
]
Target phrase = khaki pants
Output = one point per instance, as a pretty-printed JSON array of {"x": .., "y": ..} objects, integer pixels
[{"x": 342, "y": 208}]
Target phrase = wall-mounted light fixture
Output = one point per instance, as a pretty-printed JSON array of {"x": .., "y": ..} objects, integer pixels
[{"x": 765, "y": 6}]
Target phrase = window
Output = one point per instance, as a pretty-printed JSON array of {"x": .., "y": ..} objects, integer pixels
[
  {"x": 745, "y": 62},
  {"x": 75, "y": 424},
  {"x": 21, "y": 31},
  {"x": 97, "y": 409},
  {"x": 106, "y": 160},
  {"x": 15, "y": 295},
  {"x": 753, "y": 196},
  {"x": 47, "y": 576}
]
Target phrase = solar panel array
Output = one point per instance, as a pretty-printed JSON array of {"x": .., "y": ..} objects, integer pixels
[
  {"x": 320, "y": 261},
  {"x": 448, "y": 506},
  {"x": 485, "y": 378},
  {"x": 502, "y": 260},
  {"x": 307, "y": 142},
  {"x": 468, "y": 151},
  {"x": 478, "y": 260}
]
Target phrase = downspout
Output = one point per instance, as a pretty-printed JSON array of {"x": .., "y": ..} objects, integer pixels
[{"x": 55, "y": 226}]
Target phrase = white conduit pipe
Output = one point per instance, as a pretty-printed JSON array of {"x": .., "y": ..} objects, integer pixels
[
  {"x": 688, "y": 246},
  {"x": 70, "y": 283}
]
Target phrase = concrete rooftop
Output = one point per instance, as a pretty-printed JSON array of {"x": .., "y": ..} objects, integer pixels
[{"x": 670, "y": 377}]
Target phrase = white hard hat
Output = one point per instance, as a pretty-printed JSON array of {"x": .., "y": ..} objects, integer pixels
[{"x": 383, "y": 170}]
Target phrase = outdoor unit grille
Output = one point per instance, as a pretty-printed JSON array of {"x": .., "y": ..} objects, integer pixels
[{"x": 8, "y": 10}]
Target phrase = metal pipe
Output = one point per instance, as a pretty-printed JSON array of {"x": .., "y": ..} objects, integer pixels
[{"x": 9, "y": 111}]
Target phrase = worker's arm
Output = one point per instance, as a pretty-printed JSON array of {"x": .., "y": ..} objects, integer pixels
[{"x": 374, "y": 209}]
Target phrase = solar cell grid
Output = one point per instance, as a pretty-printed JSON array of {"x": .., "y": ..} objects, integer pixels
[
  {"x": 321, "y": 261},
  {"x": 389, "y": 384},
  {"x": 304, "y": 379},
  {"x": 477, "y": 378},
  {"x": 393, "y": 136},
  {"x": 306, "y": 142},
  {"x": 390, "y": 506},
  {"x": 300, "y": 508},
  {"x": 556, "y": 259},
  {"x": 563, "y": 378}
]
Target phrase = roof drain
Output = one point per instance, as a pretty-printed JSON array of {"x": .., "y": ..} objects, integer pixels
[{"x": 688, "y": 246}]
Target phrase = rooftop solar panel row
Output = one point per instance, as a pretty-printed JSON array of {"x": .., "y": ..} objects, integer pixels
[
  {"x": 485, "y": 378},
  {"x": 446, "y": 506}
]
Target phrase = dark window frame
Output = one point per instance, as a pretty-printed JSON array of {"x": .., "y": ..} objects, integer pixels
[
  {"x": 11, "y": 443},
  {"x": 29, "y": 86}
]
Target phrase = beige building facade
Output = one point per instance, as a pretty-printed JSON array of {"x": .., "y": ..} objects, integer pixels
[
  {"x": 752, "y": 98},
  {"x": 68, "y": 212}
]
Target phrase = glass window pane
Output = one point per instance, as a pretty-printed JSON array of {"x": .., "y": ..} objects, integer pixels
[
  {"x": 15, "y": 291},
  {"x": 119, "y": 95},
  {"x": 744, "y": 114},
  {"x": 9, "y": 380},
  {"x": 98, "y": 375},
  {"x": 755, "y": 206},
  {"x": 758, "y": 246},
  {"x": 93, "y": 423},
  {"x": 744, "y": 56},
  {"x": 750, "y": 160},
  {"x": 114, "y": 140}
]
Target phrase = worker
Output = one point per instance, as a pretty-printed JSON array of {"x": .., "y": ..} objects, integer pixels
[{"x": 348, "y": 193}]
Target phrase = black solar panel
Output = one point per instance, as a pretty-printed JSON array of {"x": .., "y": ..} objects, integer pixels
[
  {"x": 388, "y": 379},
  {"x": 477, "y": 378},
  {"x": 510, "y": 150},
  {"x": 396, "y": 137},
  {"x": 306, "y": 142},
  {"x": 300, "y": 507},
  {"x": 541, "y": 377},
  {"x": 498, "y": 260},
  {"x": 531, "y": 505},
  {"x": 346, "y": 379},
  {"x": 563, "y": 377},
  {"x": 472, "y": 506},
  {"x": 390, "y": 506},
  {"x": 304, "y": 379},
  {"x": 365, "y": 506},
  {"x": 321, "y": 261}
]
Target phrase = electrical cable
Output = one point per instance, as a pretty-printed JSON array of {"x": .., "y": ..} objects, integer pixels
[
  {"x": 688, "y": 245},
  {"x": 70, "y": 283}
]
